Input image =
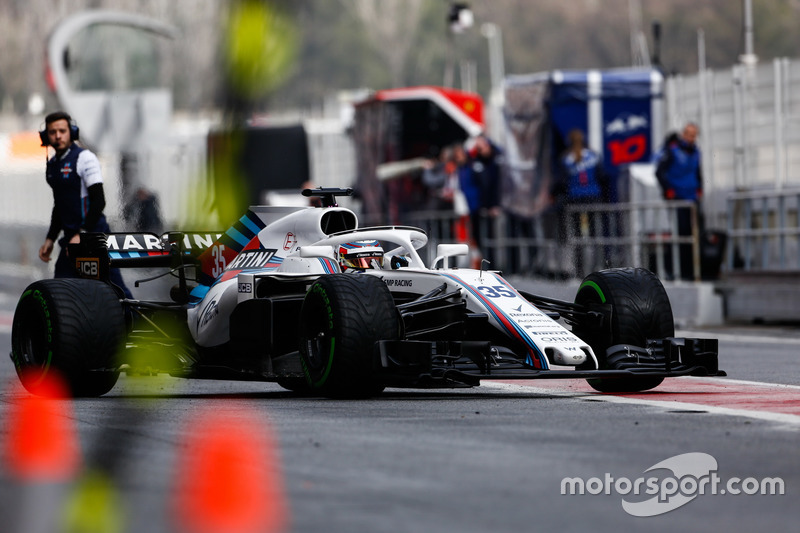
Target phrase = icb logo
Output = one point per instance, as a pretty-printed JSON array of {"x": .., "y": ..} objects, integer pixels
[{"x": 88, "y": 268}]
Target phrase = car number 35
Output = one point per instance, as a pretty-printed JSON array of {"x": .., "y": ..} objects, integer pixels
[
  {"x": 496, "y": 291},
  {"x": 218, "y": 258}
]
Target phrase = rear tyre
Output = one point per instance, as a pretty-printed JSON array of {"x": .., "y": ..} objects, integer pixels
[
  {"x": 342, "y": 317},
  {"x": 71, "y": 329},
  {"x": 640, "y": 311}
]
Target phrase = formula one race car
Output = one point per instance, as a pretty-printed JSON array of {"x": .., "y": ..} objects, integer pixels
[{"x": 304, "y": 297}]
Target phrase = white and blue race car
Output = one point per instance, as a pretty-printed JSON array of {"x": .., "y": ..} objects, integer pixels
[{"x": 305, "y": 297}]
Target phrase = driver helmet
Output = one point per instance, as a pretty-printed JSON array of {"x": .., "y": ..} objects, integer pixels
[{"x": 360, "y": 255}]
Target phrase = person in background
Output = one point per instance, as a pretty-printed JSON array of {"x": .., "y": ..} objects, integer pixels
[
  {"x": 680, "y": 175},
  {"x": 580, "y": 180},
  {"x": 74, "y": 175},
  {"x": 144, "y": 212},
  {"x": 669, "y": 138},
  {"x": 440, "y": 177},
  {"x": 436, "y": 176},
  {"x": 485, "y": 161},
  {"x": 466, "y": 183}
]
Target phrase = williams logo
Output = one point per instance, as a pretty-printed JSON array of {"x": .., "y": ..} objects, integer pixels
[{"x": 209, "y": 313}]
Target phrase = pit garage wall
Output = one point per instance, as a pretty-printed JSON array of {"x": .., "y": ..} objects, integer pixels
[{"x": 749, "y": 117}]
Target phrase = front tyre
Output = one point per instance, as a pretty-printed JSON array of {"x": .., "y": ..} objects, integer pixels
[
  {"x": 342, "y": 317},
  {"x": 640, "y": 311},
  {"x": 294, "y": 384},
  {"x": 70, "y": 328}
]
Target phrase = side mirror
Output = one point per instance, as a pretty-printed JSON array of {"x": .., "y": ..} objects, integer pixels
[
  {"x": 445, "y": 251},
  {"x": 318, "y": 251}
]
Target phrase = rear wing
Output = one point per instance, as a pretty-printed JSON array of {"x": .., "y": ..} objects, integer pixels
[
  {"x": 149, "y": 249},
  {"x": 97, "y": 252}
]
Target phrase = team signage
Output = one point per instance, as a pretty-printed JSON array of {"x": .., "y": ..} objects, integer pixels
[
  {"x": 88, "y": 267},
  {"x": 150, "y": 242}
]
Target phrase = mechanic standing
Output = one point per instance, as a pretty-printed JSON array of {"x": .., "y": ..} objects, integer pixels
[
  {"x": 581, "y": 180},
  {"x": 78, "y": 199},
  {"x": 680, "y": 175},
  {"x": 482, "y": 189}
]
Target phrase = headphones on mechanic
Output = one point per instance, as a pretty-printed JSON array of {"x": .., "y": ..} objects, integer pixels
[{"x": 74, "y": 131}]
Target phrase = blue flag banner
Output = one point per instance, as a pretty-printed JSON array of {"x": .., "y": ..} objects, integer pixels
[{"x": 619, "y": 111}]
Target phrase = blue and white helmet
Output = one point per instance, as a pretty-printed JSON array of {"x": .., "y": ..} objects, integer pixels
[{"x": 360, "y": 255}]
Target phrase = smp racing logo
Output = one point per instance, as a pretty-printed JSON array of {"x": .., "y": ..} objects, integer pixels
[
  {"x": 629, "y": 143},
  {"x": 399, "y": 282}
]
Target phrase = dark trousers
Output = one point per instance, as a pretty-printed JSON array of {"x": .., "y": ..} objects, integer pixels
[
  {"x": 684, "y": 215},
  {"x": 571, "y": 225},
  {"x": 482, "y": 231},
  {"x": 518, "y": 227}
]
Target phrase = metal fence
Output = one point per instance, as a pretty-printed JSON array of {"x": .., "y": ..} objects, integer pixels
[
  {"x": 764, "y": 231},
  {"x": 583, "y": 239}
]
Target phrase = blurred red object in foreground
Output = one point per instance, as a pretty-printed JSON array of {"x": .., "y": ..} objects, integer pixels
[
  {"x": 42, "y": 442},
  {"x": 229, "y": 477}
]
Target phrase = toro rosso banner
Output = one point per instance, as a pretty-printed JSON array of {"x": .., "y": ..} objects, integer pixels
[{"x": 620, "y": 112}]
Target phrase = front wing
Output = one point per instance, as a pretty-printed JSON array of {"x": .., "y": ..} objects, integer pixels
[{"x": 431, "y": 364}]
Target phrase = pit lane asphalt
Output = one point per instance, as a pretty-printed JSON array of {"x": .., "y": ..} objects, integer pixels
[{"x": 477, "y": 460}]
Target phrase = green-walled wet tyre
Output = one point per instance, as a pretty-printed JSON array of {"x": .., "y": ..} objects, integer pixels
[
  {"x": 342, "y": 317},
  {"x": 70, "y": 329},
  {"x": 640, "y": 311},
  {"x": 297, "y": 384}
]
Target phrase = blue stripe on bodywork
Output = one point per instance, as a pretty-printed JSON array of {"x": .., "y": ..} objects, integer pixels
[
  {"x": 326, "y": 265},
  {"x": 199, "y": 292},
  {"x": 234, "y": 234},
  {"x": 252, "y": 226},
  {"x": 509, "y": 324}
]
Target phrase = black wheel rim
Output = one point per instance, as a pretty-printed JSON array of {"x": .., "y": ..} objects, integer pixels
[
  {"x": 318, "y": 342},
  {"x": 32, "y": 344}
]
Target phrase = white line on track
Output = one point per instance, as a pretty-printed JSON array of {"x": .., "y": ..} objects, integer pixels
[
  {"x": 737, "y": 337},
  {"x": 757, "y": 383},
  {"x": 791, "y": 421}
]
